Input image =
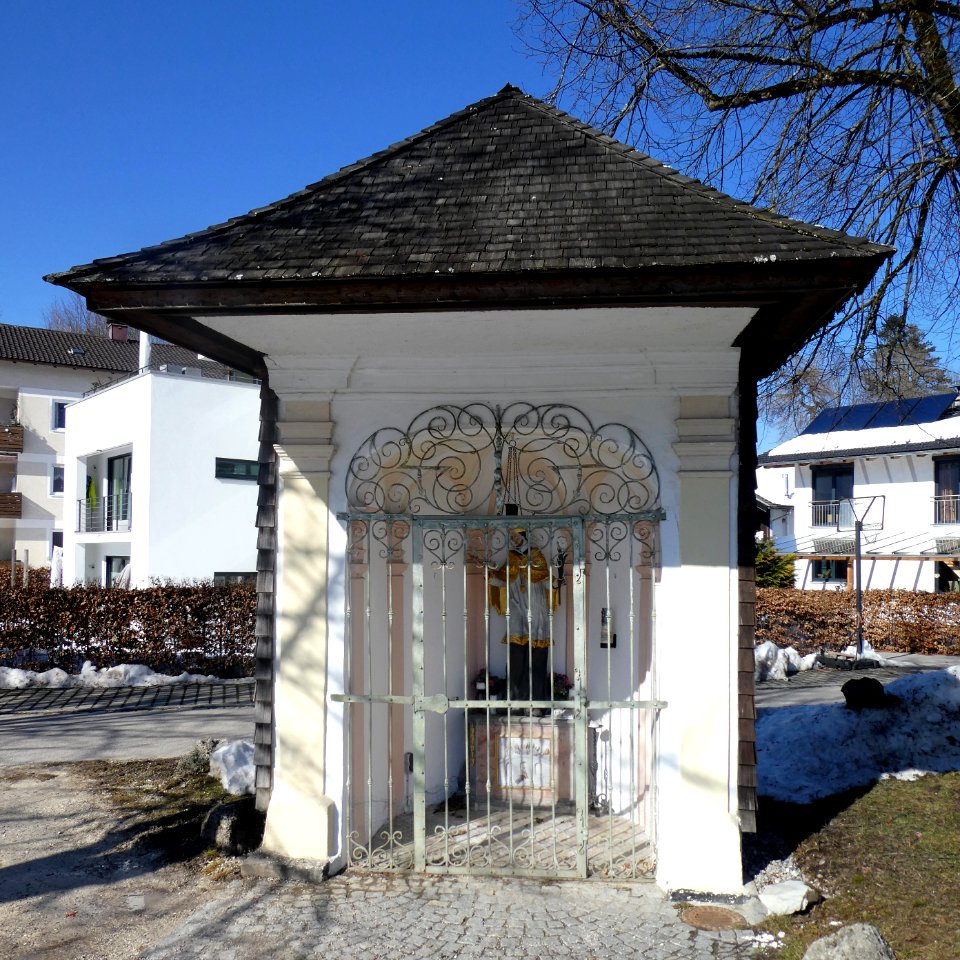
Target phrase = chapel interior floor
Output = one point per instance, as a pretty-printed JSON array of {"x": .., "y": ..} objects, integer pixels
[{"x": 498, "y": 838}]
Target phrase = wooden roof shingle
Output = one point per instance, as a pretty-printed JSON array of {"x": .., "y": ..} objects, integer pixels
[{"x": 507, "y": 185}]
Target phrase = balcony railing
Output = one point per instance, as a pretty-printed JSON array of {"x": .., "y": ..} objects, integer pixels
[
  {"x": 111, "y": 514},
  {"x": 11, "y": 439},
  {"x": 832, "y": 513},
  {"x": 946, "y": 509},
  {"x": 11, "y": 506}
]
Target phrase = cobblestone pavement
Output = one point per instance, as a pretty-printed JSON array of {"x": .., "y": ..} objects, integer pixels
[
  {"x": 233, "y": 693},
  {"x": 380, "y": 917}
]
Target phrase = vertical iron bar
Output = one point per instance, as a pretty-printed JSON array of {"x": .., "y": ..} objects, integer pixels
[
  {"x": 419, "y": 721},
  {"x": 581, "y": 713},
  {"x": 348, "y": 708},
  {"x": 446, "y": 691},
  {"x": 634, "y": 711},
  {"x": 368, "y": 670},
  {"x": 391, "y": 546},
  {"x": 466, "y": 686},
  {"x": 531, "y": 725},
  {"x": 611, "y": 624},
  {"x": 488, "y": 786}
]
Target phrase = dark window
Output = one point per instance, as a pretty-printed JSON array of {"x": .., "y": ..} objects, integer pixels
[
  {"x": 225, "y": 579},
  {"x": 946, "y": 472},
  {"x": 59, "y": 415},
  {"x": 831, "y": 486},
  {"x": 237, "y": 469},
  {"x": 829, "y": 570},
  {"x": 56, "y": 480},
  {"x": 56, "y": 538},
  {"x": 948, "y": 576}
]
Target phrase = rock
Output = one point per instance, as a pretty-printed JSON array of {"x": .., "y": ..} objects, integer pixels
[
  {"x": 789, "y": 896},
  {"x": 859, "y": 941},
  {"x": 234, "y": 827},
  {"x": 866, "y": 693}
]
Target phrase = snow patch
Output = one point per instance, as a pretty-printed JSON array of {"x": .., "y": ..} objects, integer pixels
[
  {"x": 232, "y": 763},
  {"x": 124, "y": 675},
  {"x": 773, "y": 663},
  {"x": 808, "y": 752}
]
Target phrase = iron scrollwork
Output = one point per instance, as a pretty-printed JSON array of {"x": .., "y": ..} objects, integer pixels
[{"x": 550, "y": 459}]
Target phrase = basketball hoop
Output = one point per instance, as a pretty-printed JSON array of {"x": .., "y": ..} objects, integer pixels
[
  {"x": 865, "y": 512},
  {"x": 859, "y": 514}
]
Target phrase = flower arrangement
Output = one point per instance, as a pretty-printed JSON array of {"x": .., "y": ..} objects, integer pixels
[{"x": 562, "y": 685}]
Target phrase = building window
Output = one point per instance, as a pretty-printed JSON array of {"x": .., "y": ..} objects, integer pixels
[
  {"x": 56, "y": 539},
  {"x": 237, "y": 469},
  {"x": 58, "y": 415},
  {"x": 56, "y": 481},
  {"x": 832, "y": 486},
  {"x": 226, "y": 579},
  {"x": 946, "y": 503},
  {"x": 829, "y": 571}
]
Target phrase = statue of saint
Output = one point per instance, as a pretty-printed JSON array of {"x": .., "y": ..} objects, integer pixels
[{"x": 523, "y": 588}]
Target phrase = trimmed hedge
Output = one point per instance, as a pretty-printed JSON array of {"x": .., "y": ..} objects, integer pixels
[
  {"x": 896, "y": 620},
  {"x": 170, "y": 628}
]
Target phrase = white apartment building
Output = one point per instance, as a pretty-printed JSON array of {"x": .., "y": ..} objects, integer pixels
[
  {"x": 42, "y": 373},
  {"x": 161, "y": 480},
  {"x": 896, "y": 467}
]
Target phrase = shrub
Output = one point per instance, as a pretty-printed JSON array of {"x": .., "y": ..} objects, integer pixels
[
  {"x": 170, "y": 628},
  {"x": 896, "y": 620},
  {"x": 774, "y": 569}
]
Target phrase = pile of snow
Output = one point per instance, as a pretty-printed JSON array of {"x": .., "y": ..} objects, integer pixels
[
  {"x": 232, "y": 763},
  {"x": 773, "y": 663},
  {"x": 808, "y": 752},
  {"x": 124, "y": 675}
]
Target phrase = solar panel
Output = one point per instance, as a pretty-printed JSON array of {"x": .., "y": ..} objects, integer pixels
[
  {"x": 827, "y": 420},
  {"x": 893, "y": 413},
  {"x": 859, "y": 416},
  {"x": 931, "y": 408}
]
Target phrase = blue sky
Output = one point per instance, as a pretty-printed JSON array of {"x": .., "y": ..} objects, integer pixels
[{"x": 125, "y": 124}]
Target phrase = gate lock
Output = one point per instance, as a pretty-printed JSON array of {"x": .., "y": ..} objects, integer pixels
[{"x": 438, "y": 703}]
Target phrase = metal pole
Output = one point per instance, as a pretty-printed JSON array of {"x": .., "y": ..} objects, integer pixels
[{"x": 858, "y": 527}]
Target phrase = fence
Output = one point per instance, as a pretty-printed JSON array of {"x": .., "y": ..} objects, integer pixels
[
  {"x": 170, "y": 628},
  {"x": 896, "y": 620}
]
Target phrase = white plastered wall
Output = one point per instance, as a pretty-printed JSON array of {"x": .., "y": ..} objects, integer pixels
[{"x": 632, "y": 366}]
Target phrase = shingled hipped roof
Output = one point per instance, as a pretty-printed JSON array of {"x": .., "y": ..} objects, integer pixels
[
  {"x": 85, "y": 351},
  {"x": 508, "y": 184}
]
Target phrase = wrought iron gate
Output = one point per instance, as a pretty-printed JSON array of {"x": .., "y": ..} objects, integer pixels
[{"x": 495, "y": 723}]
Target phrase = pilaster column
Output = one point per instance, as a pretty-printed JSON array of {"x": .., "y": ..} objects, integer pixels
[
  {"x": 699, "y": 835},
  {"x": 301, "y": 817}
]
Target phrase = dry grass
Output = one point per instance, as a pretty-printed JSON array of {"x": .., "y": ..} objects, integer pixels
[
  {"x": 891, "y": 858},
  {"x": 162, "y": 808}
]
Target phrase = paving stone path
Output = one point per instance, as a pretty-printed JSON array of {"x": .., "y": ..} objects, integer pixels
[
  {"x": 380, "y": 917},
  {"x": 233, "y": 693}
]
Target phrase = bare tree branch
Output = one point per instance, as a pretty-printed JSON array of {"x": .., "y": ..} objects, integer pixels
[{"x": 841, "y": 112}]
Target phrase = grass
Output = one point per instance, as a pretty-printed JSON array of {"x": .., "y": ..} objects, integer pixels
[
  {"x": 162, "y": 805},
  {"x": 891, "y": 858}
]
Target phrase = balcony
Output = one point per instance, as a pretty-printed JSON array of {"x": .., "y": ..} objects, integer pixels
[
  {"x": 946, "y": 509},
  {"x": 11, "y": 439},
  {"x": 832, "y": 513},
  {"x": 109, "y": 515},
  {"x": 11, "y": 506}
]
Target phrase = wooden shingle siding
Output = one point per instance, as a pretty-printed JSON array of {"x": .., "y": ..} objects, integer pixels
[
  {"x": 747, "y": 598},
  {"x": 263, "y": 734}
]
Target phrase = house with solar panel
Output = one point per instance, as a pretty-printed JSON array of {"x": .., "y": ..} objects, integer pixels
[
  {"x": 505, "y": 571},
  {"x": 895, "y": 468}
]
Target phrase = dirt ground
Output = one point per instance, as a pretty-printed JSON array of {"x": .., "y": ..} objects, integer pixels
[{"x": 77, "y": 879}]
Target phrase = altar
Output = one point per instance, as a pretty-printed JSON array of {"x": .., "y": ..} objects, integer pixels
[{"x": 526, "y": 760}]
